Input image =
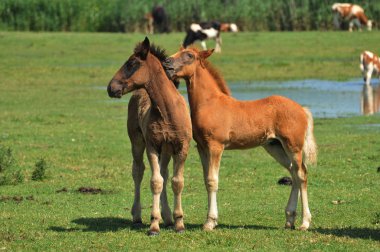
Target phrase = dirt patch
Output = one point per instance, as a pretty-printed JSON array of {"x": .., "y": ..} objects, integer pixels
[
  {"x": 90, "y": 190},
  {"x": 63, "y": 190},
  {"x": 17, "y": 199},
  {"x": 84, "y": 190}
]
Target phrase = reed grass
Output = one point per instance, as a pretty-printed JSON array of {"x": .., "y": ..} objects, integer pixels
[{"x": 128, "y": 15}]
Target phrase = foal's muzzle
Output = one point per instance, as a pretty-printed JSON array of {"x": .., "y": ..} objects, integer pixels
[
  {"x": 115, "y": 89},
  {"x": 169, "y": 69},
  {"x": 168, "y": 66}
]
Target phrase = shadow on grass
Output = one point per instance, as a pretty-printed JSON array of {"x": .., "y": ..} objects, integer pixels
[
  {"x": 194, "y": 227},
  {"x": 112, "y": 224},
  {"x": 360, "y": 233},
  {"x": 103, "y": 224}
]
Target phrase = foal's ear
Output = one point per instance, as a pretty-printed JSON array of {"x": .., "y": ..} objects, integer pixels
[
  {"x": 144, "y": 49},
  {"x": 205, "y": 54}
]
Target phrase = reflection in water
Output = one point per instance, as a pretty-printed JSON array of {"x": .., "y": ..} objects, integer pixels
[{"x": 370, "y": 99}]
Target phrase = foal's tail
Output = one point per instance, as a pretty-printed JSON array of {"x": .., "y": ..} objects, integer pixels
[{"x": 309, "y": 147}]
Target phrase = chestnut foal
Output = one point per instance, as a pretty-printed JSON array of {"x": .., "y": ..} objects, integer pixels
[
  {"x": 159, "y": 121},
  {"x": 280, "y": 125}
]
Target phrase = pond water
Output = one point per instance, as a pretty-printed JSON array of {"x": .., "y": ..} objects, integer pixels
[{"x": 324, "y": 98}]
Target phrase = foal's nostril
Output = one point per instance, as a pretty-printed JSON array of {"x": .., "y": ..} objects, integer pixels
[
  {"x": 114, "y": 89},
  {"x": 109, "y": 90}
]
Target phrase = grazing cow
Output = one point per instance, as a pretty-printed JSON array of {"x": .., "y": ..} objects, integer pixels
[
  {"x": 157, "y": 20},
  {"x": 352, "y": 13},
  {"x": 208, "y": 30},
  {"x": 369, "y": 64}
]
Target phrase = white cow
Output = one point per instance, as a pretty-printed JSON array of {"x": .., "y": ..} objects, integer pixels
[{"x": 369, "y": 64}]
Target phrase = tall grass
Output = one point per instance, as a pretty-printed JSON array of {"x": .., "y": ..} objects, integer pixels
[{"x": 128, "y": 15}]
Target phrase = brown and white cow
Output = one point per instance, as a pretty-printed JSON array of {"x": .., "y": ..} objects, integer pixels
[
  {"x": 352, "y": 13},
  {"x": 369, "y": 64}
]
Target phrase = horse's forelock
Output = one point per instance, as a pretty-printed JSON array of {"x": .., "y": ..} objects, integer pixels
[{"x": 157, "y": 51}]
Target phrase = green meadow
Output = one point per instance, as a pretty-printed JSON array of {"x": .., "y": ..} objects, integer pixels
[{"x": 54, "y": 106}]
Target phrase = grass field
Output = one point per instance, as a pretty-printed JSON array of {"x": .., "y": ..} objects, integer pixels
[{"x": 53, "y": 105}]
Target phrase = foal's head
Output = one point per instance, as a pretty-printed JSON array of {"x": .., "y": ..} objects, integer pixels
[
  {"x": 184, "y": 63},
  {"x": 136, "y": 72}
]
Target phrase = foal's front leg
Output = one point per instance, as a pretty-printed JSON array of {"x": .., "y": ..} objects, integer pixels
[
  {"x": 165, "y": 209},
  {"x": 211, "y": 163},
  {"x": 156, "y": 186}
]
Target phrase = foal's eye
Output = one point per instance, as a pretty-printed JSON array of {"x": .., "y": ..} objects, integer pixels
[
  {"x": 131, "y": 63},
  {"x": 190, "y": 56}
]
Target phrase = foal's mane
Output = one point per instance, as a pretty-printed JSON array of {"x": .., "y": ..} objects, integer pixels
[
  {"x": 216, "y": 75},
  {"x": 159, "y": 52}
]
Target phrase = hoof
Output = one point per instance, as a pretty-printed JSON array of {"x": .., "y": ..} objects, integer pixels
[
  {"x": 169, "y": 225},
  {"x": 303, "y": 227},
  {"x": 137, "y": 224},
  {"x": 180, "y": 231},
  {"x": 153, "y": 233},
  {"x": 289, "y": 226},
  {"x": 209, "y": 225}
]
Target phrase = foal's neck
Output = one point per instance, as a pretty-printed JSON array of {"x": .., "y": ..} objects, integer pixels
[
  {"x": 202, "y": 87},
  {"x": 162, "y": 92}
]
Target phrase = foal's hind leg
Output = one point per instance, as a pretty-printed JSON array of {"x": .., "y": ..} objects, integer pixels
[
  {"x": 177, "y": 186},
  {"x": 306, "y": 215},
  {"x": 291, "y": 207},
  {"x": 276, "y": 150},
  {"x": 138, "y": 167},
  {"x": 165, "y": 209},
  {"x": 211, "y": 166},
  {"x": 299, "y": 176}
]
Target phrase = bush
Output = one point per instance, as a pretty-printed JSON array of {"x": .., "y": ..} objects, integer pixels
[
  {"x": 6, "y": 159},
  {"x": 10, "y": 174},
  {"x": 39, "y": 170}
]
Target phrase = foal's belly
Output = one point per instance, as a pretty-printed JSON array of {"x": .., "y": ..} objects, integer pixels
[{"x": 245, "y": 140}]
